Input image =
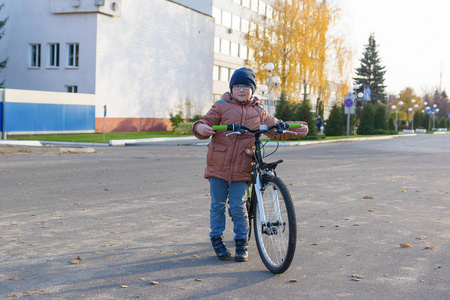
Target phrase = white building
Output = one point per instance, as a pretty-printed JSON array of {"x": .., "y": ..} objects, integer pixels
[{"x": 140, "y": 58}]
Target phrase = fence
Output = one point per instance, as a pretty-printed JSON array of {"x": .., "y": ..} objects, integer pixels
[{"x": 40, "y": 112}]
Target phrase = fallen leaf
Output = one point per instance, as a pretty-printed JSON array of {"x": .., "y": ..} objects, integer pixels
[
  {"x": 74, "y": 262},
  {"x": 371, "y": 210},
  {"x": 124, "y": 286},
  {"x": 79, "y": 258},
  {"x": 405, "y": 245},
  {"x": 154, "y": 282},
  {"x": 142, "y": 279},
  {"x": 12, "y": 295},
  {"x": 196, "y": 256},
  {"x": 357, "y": 277},
  {"x": 293, "y": 280},
  {"x": 108, "y": 190},
  {"x": 368, "y": 197},
  {"x": 197, "y": 279},
  {"x": 403, "y": 191}
]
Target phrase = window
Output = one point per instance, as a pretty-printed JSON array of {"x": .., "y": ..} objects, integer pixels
[
  {"x": 53, "y": 55},
  {"x": 217, "y": 15},
  {"x": 224, "y": 74},
  {"x": 262, "y": 8},
  {"x": 216, "y": 73},
  {"x": 216, "y": 44},
  {"x": 72, "y": 55},
  {"x": 35, "y": 55},
  {"x": 226, "y": 19},
  {"x": 225, "y": 46},
  {"x": 246, "y": 3},
  {"x": 244, "y": 25},
  {"x": 236, "y": 22},
  {"x": 243, "y": 52},
  {"x": 234, "y": 49},
  {"x": 254, "y": 5},
  {"x": 71, "y": 89}
]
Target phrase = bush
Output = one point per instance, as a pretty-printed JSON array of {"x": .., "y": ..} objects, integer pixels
[
  {"x": 391, "y": 125},
  {"x": 176, "y": 119},
  {"x": 184, "y": 128},
  {"x": 308, "y": 138},
  {"x": 442, "y": 123},
  {"x": 284, "y": 109},
  {"x": 383, "y": 131},
  {"x": 195, "y": 118},
  {"x": 335, "y": 123},
  {"x": 366, "y": 125},
  {"x": 303, "y": 113},
  {"x": 380, "y": 118}
]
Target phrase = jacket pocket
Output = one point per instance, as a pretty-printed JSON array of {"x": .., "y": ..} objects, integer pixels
[{"x": 216, "y": 155}]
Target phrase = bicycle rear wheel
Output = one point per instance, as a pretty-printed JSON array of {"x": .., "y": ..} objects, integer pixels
[{"x": 276, "y": 239}]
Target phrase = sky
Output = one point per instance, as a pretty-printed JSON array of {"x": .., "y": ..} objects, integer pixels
[{"x": 413, "y": 38}]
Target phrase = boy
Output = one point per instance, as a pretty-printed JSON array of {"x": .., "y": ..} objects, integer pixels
[{"x": 229, "y": 159}]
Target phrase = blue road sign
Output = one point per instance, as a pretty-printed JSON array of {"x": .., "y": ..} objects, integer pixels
[
  {"x": 430, "y": 111},
  {"x": 348, "y": 102}
]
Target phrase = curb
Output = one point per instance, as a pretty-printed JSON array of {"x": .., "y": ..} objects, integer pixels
[
  {"x": 304, "y": 143},
  {"x": 151, "y": 140}
]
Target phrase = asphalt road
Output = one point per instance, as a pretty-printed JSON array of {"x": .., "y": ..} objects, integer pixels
[{"x": 107, "y": 225}]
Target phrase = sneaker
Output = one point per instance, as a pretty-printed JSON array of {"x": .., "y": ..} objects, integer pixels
[
  {"x": 241, "y": 250},
  {"x": 220, "y": 249}
]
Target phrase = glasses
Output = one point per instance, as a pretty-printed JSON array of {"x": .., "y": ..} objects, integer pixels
[{"x": 241, "y": 87}]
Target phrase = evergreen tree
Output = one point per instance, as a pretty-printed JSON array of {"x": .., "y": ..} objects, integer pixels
[
  {"x": 418, "y": 119},
  {"x": 371, "y": 73},
  {"x": 284, "y": 110},
  {"x": 391, "y": 122},
  {"x": 303, "y": 113},
  {"x": 335, "y": 123},
  {"x": 2, "y": 33},
  {"x": 366, "y": 125},
  {"x": 380, "y": 121}
]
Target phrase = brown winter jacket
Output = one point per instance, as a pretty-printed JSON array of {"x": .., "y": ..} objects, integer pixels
[{"x": 230, "y": 157}]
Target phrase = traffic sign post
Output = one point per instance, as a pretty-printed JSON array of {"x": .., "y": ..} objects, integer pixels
[{"x": 349, "y": 103}]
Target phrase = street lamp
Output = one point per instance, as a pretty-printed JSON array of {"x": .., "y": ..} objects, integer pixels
[
  {"x": 411, "y": 110},
  {"x": 272, "y": 82},
  {"x": 399, "y": 103},
  {"x": 435, "y": 110}
]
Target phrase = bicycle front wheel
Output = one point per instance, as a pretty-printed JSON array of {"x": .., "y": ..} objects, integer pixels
[{"x": 276, "y": 238}]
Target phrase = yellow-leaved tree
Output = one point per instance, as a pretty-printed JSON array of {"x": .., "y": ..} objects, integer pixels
[{"x": 298, "y": 38}]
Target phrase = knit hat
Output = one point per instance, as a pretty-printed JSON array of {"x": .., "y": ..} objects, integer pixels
[{"x": 244, "y": 76}]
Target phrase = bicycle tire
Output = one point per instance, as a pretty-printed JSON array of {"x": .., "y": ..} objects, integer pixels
[{"x": 276, "y": 241}]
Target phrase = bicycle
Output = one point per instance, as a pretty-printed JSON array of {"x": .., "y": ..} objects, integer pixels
[{"x": 269, "y": 203}]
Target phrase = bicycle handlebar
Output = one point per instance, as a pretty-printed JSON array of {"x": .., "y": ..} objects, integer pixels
[{"x": 236, "y": 127}]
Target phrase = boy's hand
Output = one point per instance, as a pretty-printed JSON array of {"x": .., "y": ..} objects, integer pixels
[
  {"x": 205, "y": 130},
  {"x": 302, "y": 131}
]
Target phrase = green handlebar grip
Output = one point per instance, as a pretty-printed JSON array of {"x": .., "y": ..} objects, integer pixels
[
  {"x": 295, "y": 125},
  {"x": 220, "y": 127}
]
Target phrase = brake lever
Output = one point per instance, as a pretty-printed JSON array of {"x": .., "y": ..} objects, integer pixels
[
  {"x": 234, "y": 132},
  {"x": 288, "y": 131}
]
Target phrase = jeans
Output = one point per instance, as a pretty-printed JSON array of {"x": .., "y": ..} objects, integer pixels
[{"x": 237, "y": 193}]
